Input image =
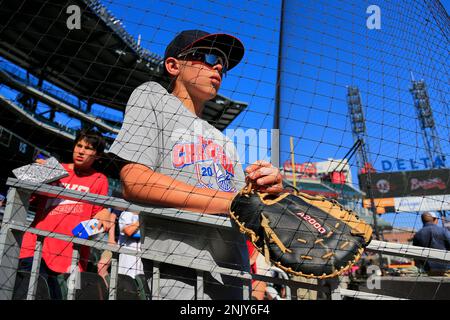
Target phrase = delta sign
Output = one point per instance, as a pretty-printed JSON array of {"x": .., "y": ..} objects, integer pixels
[{"x": 411, "y": 164}]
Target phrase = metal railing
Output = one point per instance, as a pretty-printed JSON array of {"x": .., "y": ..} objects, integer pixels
[{"x": 15, "y": 224}]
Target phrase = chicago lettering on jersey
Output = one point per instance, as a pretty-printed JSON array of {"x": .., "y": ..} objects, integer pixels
[{"x": 184, "y": 154}]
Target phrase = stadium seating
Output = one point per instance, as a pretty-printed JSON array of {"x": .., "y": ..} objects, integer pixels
[
  {"x": 92, "y": 287},
  {"x": 144, "y": 290},
  {"x": 127, "y": 288},
  {"x": 21, "y": 287}
]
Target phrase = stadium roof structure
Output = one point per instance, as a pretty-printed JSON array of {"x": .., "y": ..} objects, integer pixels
[{"x": 99, "y": 63}]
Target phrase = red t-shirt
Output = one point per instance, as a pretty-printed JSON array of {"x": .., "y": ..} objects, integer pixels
[
  {"x": 61, "y": 216},
  {"x": 251, "y": 248}
]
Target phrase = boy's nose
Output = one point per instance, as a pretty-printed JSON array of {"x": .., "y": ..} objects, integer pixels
[{"x": 219, "y": 69}]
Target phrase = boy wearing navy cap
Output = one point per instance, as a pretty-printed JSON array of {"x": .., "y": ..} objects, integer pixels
[{"x": 176, "y": 159}]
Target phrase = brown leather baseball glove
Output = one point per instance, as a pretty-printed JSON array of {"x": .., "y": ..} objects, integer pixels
[{"x": 309, "y": 236}]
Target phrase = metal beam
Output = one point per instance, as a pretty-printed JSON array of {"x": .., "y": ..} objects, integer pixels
[
  {"x": 409, "y": 251},
  {"x": 365, "y": 295}
]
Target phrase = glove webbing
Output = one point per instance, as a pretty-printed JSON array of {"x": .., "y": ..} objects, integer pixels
[{"x": 270, "y": 235}]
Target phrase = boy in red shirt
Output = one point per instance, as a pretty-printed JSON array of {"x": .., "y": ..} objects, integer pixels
[{"x": 61, "y": 216}]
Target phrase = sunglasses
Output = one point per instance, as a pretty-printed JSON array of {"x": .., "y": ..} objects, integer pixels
[{"x": 206, "y": 56}]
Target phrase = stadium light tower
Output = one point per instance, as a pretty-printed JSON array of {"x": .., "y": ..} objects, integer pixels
[
  {"x": 358, "y": 128},
  {"x": 362, "y": 159},
  {"x": 427, "y": 123},
  {"x": 428, "y": 126}
]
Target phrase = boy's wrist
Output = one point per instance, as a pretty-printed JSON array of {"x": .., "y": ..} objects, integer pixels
[{"x": 221, "y": 202}]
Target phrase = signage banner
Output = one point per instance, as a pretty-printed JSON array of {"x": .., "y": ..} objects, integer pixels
[
  {"x": 410, "y": 204},
  {"x": 382, "y": 205},
  {"x": 407, "y": 183},
  {"x": 428, "y": 203}
]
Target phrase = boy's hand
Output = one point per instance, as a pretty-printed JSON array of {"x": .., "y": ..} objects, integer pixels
[
  {"x": 265, "y": 177},
  {"x": 105, "y": 219}
]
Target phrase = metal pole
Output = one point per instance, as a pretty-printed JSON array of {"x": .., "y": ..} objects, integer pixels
[
  {"x": 370, "y": 193},
  {"x": 276, "y": 120},
  {"x": 372, "y": 200},
  {"x": 275, "y": 148},
  {"x": 294, "y": 172},
  {"x": 275, "y": 136}
]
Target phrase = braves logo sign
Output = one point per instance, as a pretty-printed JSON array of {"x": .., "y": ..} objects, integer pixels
[{"x": 428, "y": 184}]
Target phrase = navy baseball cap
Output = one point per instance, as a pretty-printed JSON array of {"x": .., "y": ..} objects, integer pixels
[{"x": 231, "y": 46}]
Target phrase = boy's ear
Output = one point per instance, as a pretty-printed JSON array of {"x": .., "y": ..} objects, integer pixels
[
  {"x": 172, "y": 66},
  {"x": 96, "y": 156}
]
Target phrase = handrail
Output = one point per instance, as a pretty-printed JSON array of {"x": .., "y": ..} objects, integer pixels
[
  {"x": 146, "y": 255},
  {"x": 118, "y": 203},
  {"x": 409, "y": 251},
  {"x": 365, "y": 295}
]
